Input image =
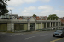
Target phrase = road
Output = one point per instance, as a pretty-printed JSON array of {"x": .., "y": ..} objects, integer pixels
[{"x": 30, "y": 37}]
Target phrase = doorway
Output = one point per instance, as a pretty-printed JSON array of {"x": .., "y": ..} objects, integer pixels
[{"x": 32, "y": 26}]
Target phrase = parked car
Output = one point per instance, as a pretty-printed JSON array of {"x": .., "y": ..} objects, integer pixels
[{"x": 59, "y": 33}]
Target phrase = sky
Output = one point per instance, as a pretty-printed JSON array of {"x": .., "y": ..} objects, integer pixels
[{"x": 38, "y": 7}]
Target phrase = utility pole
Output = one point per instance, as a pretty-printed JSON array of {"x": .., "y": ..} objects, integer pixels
[{"x": 11, "y": 20}]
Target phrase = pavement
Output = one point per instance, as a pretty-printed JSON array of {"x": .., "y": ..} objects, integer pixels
[
  {"x": 32, "y": 32},
  {"x": 23, "y": 33}
]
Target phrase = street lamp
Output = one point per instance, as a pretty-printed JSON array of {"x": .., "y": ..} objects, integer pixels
[{"x": 11, "y": 14}]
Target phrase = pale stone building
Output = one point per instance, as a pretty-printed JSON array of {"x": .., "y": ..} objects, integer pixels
[{"x": 27, "y": 24}]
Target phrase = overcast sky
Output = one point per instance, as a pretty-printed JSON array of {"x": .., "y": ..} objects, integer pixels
[{"x": 38, "y": 7}]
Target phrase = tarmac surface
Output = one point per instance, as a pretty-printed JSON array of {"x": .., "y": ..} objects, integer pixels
[{"x": 34, "y": 36}]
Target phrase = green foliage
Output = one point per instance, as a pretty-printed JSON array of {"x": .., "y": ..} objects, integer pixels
[
  {"x": 3, "y": 8},
  {"x": 53, "y": 17},
  {"x": 34, "y": 15}
]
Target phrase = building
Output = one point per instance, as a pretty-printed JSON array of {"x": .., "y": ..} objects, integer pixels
[
  {"x": 62, "y": 22},
  {"x": 28, "y": 24},
  {"x": 14, "y": 16},
  {"x": 24, "y": 17},
  {"x": 9, "y": 16},
  {"x": 6, "y": 16},
  {"x": 41, "y": 17}
]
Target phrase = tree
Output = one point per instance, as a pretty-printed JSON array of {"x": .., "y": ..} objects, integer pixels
[
  {"x": 3, "y": 8},
  {"x": 34, "y": 15},
  {"x": 53, "y": 17}
]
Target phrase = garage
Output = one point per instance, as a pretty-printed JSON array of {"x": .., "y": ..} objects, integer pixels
[
  {"x": 3, "y": 27},
  {"x": 20, "y": 26}
]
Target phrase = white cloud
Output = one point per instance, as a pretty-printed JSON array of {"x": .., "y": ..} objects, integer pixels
[
  {"x": 45, "y": 0},
  {"x": 45, "y": 8},
  {"x": 26, "y": 14},
  {"x": 14, "y": 2},
  {"x": 20, "y": 2},
  {"x": 28, "y": 10},
  {"x": 25, "y": 11},
  {"x": 10, "y": 8},
  {"x": 61, "y": 6},
  {"x": 30, "y": 1}
]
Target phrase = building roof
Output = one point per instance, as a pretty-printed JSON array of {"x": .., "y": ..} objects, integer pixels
[{"x": 37, "y": 17}]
